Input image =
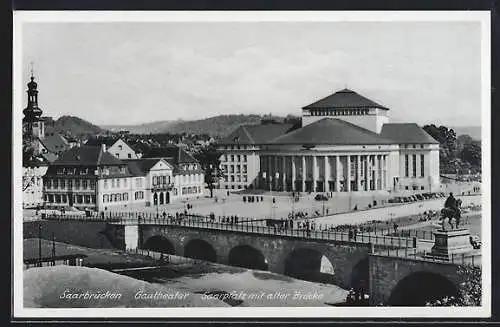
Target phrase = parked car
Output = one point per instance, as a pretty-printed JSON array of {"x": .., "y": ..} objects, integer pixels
[
  {"x": 321, "y": 197},
  {"x": 419, "y": 197},
  {"x": 475, "y": 241}
]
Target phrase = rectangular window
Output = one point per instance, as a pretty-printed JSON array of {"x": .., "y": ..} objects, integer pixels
[
  {"x": 56, "y": 183},
  {"x": 244, "y": 169},
  {"x": 245, "y": 158},
  {"x": 231, "y": 169},
  {"x": 105, "y": 183},
  {"x": 406, "y": 166},
  {"x": 84, "y": 184},
  {"x": 118, "y": 182},
  {"x": 112, "y": 183},
  {"x": 422, "y": 165},
  {"x": 232, "y": 158},
  {"x": 414, "y": 170},
  {"x": 238, "y": 158},
  {"x": 92, "y": 185},
  {"x": 125, "y": 182},
  {"x": 129, "y": 155},
  {"x": 238, "y": 169},
  {"x": 77, "y": 184},
  {"x": 232, "y": 178},
  {"x": 63, "y": 183}
]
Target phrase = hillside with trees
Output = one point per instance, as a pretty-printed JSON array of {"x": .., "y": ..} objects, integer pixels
[
  {"x": 460, "y": 154},
  {"x": 217, "y": 126},
  {"x": 74, "y": 126}
]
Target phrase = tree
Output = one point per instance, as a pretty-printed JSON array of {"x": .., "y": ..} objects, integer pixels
[
  {"x": 469, "y": 291},
  {"x": 471, "y": 153},
  {"x": 209, "y": 159},
  {"x": 448, "y": 149}
]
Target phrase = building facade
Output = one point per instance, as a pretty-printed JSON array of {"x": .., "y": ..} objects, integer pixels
[
  {"x": 240, "y": 162},
  {"x": 345, "y": 144},
  {"x": 117, "y": 147},
  {"x": 91, "y": 177},
  {"x": 33, "y": 184}
]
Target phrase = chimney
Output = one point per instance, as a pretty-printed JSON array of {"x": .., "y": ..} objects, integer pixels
[{"x": 103, "y": 147}]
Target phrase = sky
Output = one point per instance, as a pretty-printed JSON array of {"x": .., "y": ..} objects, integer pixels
[{"x": 134, "y": 72}]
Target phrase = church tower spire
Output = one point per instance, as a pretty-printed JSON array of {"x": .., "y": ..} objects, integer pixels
[{"x": 32, "y": 113}]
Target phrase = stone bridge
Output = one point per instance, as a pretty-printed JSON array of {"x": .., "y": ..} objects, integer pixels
[
  {"x": 340, "y": 262},
  {"x": 405, "y": 281},
  {"x": 389, "y": 279}
]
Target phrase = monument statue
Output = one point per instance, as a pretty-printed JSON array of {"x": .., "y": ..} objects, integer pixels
[{"x": 451, "y": 212}]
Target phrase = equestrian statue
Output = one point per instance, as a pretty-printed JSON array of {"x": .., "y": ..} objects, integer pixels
[{"x": 451, "y": 212}]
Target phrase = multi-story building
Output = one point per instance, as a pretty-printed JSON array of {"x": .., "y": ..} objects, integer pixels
[
  {"x": 117, "y": 147},
  {"x": 91, "y": 177},
  {"x": 240, "y": 163},
  {"x": 345, "y": 144},
  {"x": 33, "y": 183}
]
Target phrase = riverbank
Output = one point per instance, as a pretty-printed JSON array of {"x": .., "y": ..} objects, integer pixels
[{"x": 209, "y": 281}]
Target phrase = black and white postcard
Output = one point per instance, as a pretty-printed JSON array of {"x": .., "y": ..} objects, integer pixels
[{"x": 251, "y": 164}]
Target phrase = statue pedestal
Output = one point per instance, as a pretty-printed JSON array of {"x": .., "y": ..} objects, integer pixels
[{"x": 450, "y": 242}]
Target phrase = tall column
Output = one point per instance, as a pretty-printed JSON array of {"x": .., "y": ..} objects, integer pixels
[
  {"x": 358, "y": 172},
  {"x": 284, "y": 172},
  {"x": 303, "y": 173},
  {"x": 269, "y": 172},
  {"x": 348, "y": 160},
  {"x": 276, "y": 170},
  {"x": 294, "y": 176},
  {"x": 337, "y": 173},
  {"x": 315, "y": 172},
  {"x": 376, "y": 172},
  {"x": 367, "y": 172},
  {"x": 327, "y": 175},
  {"x": 385, "y": 172}
]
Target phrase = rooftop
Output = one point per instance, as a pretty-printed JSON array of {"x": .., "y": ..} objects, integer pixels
[
  {"x": 344, "y": 99},
  {"x": 256, "y": 134},
  {"x": 87, "y": 156},
  {"x": 406, "y": 133},
  {"x": 331, "y": 131}
]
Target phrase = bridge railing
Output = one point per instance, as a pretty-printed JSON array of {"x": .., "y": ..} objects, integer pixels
[
  {"x": 325, "y": 234},
  {"x": 473, "y": 258}
]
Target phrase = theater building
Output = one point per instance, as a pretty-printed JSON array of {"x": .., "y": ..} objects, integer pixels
[{"x": 346, "y": 144}]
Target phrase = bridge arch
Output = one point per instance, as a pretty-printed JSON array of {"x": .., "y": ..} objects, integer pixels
[
  {"x": 309, "y": 264},
  {"x": 200, "y": 249},
  {"x": 420, "y": 287},
  {"x": 360, "y": 275},
  {"x": 247, "y": 256},
  {"x": 159, "y": 243}
]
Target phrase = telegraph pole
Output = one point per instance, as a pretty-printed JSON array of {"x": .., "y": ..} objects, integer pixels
[
  {"x": 39, "y": 244},
  {"x": 53, "y": 250}
]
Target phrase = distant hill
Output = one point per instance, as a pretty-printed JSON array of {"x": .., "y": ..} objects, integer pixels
[
  {"x": 74, "y": 126},
  {"x": 472, "y": 131},
  {"x": 146, "y": 128},
  {"x": 215, "y": 126}
]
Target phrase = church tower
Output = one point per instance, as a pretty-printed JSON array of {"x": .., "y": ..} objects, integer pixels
[{"x": 33, "y": 125}]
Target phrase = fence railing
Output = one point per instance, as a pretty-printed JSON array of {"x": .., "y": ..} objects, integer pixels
[{"x": 423, "y": 255}]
